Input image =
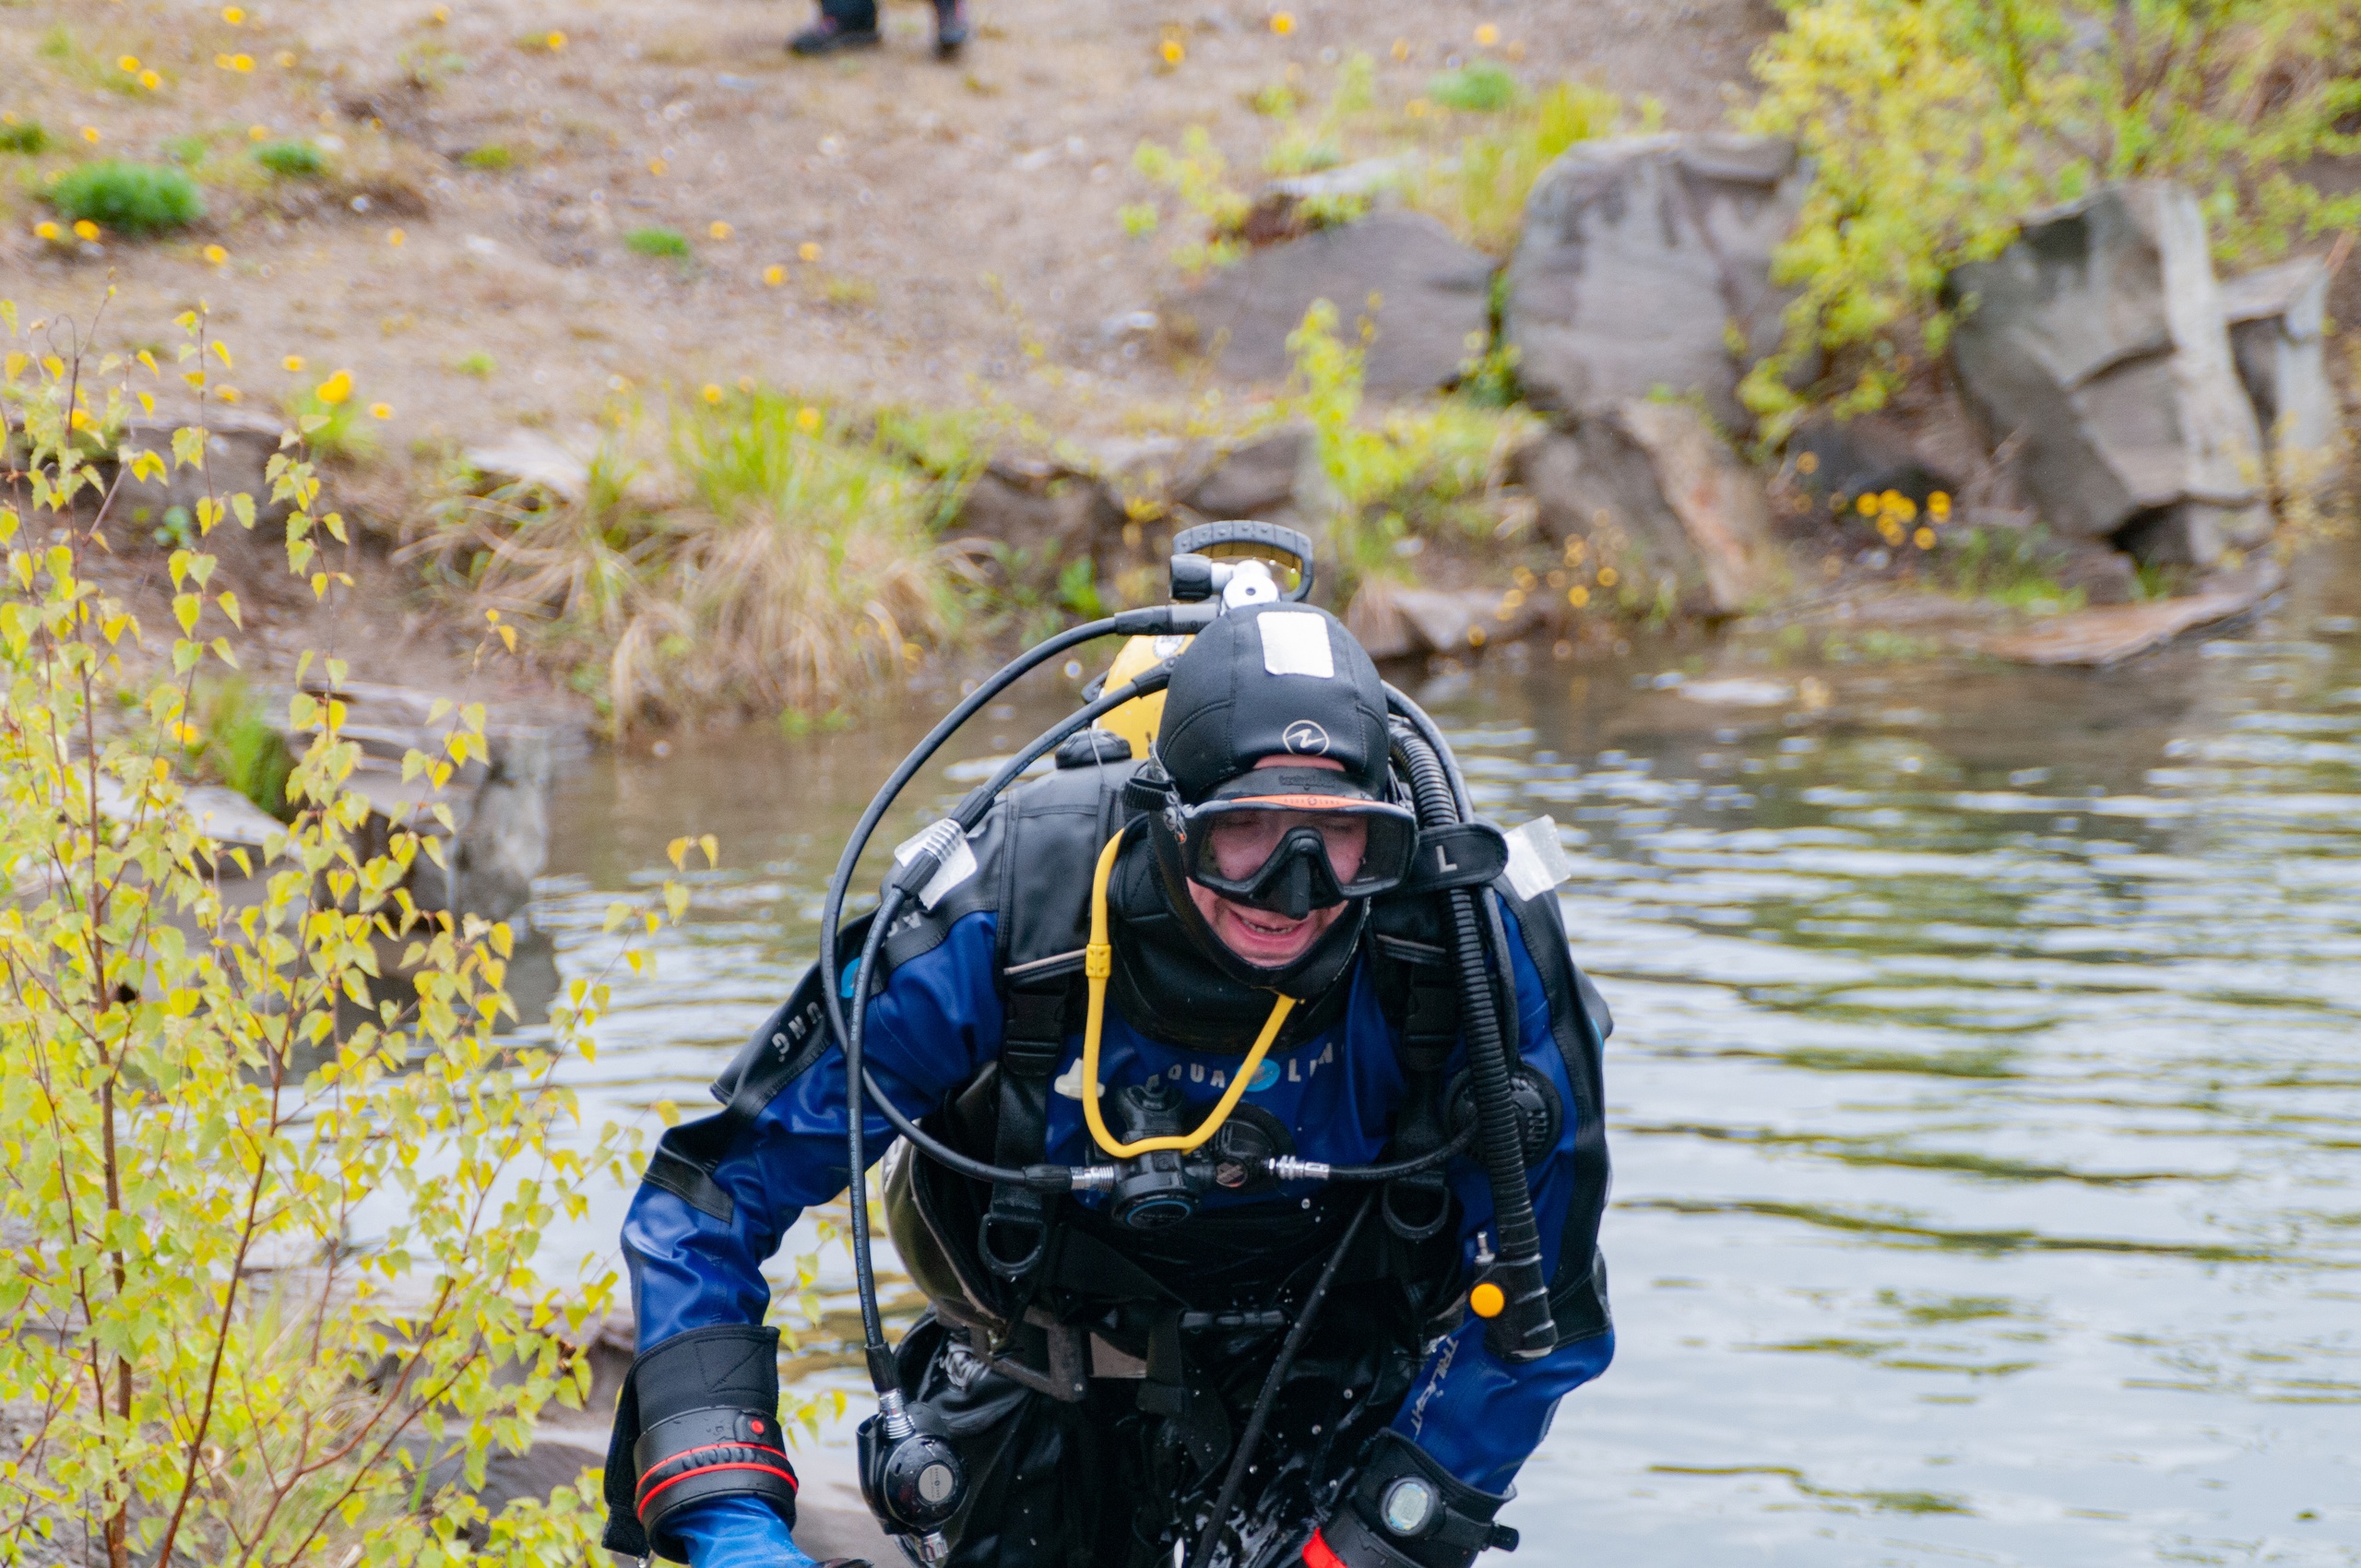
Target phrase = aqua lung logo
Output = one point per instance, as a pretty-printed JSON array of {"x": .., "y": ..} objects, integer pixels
[{"x": 1305, "y": 739}]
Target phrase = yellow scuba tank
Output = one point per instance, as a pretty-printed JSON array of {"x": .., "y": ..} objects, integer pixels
[{"x": 1282, "y": 548}]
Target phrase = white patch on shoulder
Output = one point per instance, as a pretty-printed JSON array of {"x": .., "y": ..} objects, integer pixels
[
  {"x": 958, "y": 867},
  {"x": 1295, "y": 642},
  {"x": 1538, "y": 860}
]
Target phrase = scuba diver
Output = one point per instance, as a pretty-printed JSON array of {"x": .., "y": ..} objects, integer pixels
[{"x": 1246, "y": 1134}]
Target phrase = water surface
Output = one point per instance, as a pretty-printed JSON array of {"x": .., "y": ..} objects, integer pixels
[{"x": 1986, "y": 1086}]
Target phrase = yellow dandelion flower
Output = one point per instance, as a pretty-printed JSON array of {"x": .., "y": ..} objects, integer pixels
[
  {"x": 336, "y": 388},
  {"x": 45, "y": 230},
  {"x": 381, "y": 410},
  {"x": 1578, "y": 596},
  {"x": 1924, "y": 538},
  {"x": 1283, "y": 22},
  {"x": 1172, "y": 52},
  {"x": 656, "y": 166},
  {"x": 91, "y": 134},
  {"x": 1808, "y": 463},
  {"x": 719, "y": 230},
  {"x": 85, "y": 229},
  {"x": 227, "y": 394},
  {"x": 1889, "y": 530},
  {"x": 1867, "y": 506},
  {"x": 712, "y": 392},
  {"x": 1938, "y": 505},
  {"x": 395, "y": 237},
  {"x": 774, "y": 276},
  {"x": 242, "y": 63},
  {"x": 151, "y": 81},
  {"x": 215, "y": 255},
  {"x": 257, "y": 133},
  {"x": 807, "y": 420},
  {"x": 556, "y": 41},
  {"x": 808, "y": 251},
  {"x": 1401, "y": 49},
  {"x": 440, "y": 15},
  {"x": 128, "y": 64},
  {"x": 293, "y": 361},
  {"x": 234, "y": 15},
  {"x": 1608, "y": 577},
  {"x": 1486, "y": 35}
]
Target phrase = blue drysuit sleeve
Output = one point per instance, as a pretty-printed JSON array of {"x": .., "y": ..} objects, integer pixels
[
  {"x": 1479, "y": 1417},
  {"x": 737, "y": 1532},
  {"x": 936, "y": 1023}
]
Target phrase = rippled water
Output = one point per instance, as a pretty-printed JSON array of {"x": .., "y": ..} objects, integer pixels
[{"x": 1985, "y": 1087}]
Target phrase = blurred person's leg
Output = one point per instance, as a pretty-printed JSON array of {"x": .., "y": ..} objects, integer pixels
[
  {"x": 842, "y": 24},
  {"x": 950, "y": 27}
]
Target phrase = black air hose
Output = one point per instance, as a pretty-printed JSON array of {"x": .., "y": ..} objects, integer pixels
[{"x": 1523, "y": 1330}]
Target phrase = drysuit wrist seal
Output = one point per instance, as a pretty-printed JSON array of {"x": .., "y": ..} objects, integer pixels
[
  {"x": 1406, "y": 1511},
  {"x": 708, "y": 1400}
]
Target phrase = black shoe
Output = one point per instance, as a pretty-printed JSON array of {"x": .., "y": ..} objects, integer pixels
[
  {"x": 828, "y": 36},
  {"x": 951, "y": 28}
]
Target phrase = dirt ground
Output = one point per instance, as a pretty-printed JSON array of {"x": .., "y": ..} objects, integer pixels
[{"x": 959, "y": 213}]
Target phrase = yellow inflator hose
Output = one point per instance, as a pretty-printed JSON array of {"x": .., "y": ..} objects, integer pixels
[{"x": 1098, "y": 964}]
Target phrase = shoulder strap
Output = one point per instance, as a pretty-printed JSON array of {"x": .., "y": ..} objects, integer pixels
[{"x": 1054, "y": 830}]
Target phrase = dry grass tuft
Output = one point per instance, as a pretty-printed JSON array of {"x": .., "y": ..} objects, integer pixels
[{"x": 753, "y": 555}]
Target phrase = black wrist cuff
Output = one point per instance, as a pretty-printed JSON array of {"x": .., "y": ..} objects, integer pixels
[
  {"x": 705, "y": 1409},
  {"x": 1406, "y": 1511}
]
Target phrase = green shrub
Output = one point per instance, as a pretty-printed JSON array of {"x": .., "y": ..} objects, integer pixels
[
  {"x": 25, "y": 137},
  {"x": 1480, "y": 89},
  {"x": 293, "y": 160},
  {"x": 188, "y": 151},
  {"x": 226, "y": 1061},
  {"x": 492, "y": 158},
  {"x": 668, "y": 244},
  {"x": 129, "y": 198},
  {"x": 1935, "y": 123}
]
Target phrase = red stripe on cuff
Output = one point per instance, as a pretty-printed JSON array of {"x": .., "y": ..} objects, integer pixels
[
  {"x": 1318, "y": 1554},
  {"x": 787, "y": 1476}
]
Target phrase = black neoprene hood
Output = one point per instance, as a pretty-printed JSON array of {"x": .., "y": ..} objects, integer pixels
[{"x": 1273, "y": 680}]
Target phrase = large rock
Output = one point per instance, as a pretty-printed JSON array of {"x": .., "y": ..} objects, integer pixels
[
  {"x": 2278, "y": 320},
  {"x": 1655, "y": 493},
  {"x": 2094, "y": 346},
  {"x": 238, "y": 449},
  {"x": 1642, "y": 257},
  {"x": 1392, "y": 620},
  {"x": 1426, "y": 294}
]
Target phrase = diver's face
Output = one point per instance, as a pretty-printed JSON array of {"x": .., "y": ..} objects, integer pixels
[{"x": 1265, "y": 939}]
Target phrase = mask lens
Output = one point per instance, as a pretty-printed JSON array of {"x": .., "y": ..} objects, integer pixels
[
  {"x": 1238, "y": 844},
  {"x": 1367, "y": 849}
]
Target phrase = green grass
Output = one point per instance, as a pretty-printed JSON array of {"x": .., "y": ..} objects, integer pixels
[
  {"x": 479, "y": 364},
  {"x": 293, "y": 160},
  {"x": 1480, "y": 89},
  {"x": 2012, "y": 567},
  {"x": 669, "y": 244},
  {"x": 1481, "y": 193},
  {"x": 241, "y": 749},
  {"x": 188, "y": 151},
  {"x": 26, "y": 138},
  {"x": 129, "y": 198},
  {"x": 492, "y": 158}
]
